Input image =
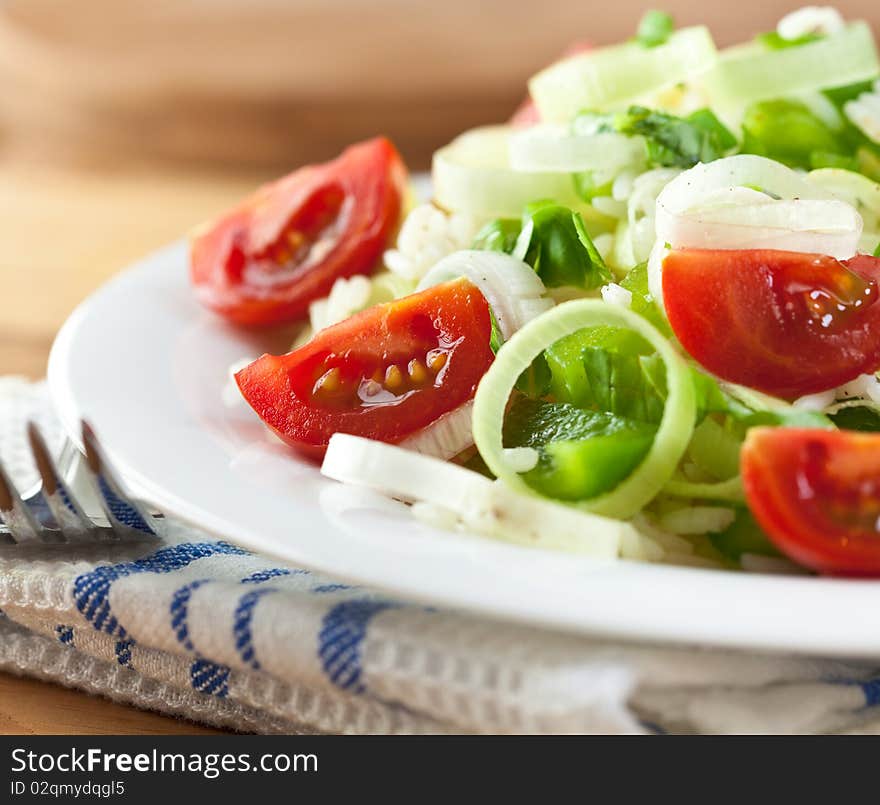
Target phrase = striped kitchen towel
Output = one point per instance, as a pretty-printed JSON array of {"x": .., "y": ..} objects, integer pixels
[{"x": 200, "y": 628}]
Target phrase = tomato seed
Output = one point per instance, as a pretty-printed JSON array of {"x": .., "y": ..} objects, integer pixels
[
  {"x": 372, "y": 388},
  {"x": 417, "y": 372},
  {"x": 436, "y": 360},
  {"x": 329, "y": 382},
  {"x": 393, "y": 378}
]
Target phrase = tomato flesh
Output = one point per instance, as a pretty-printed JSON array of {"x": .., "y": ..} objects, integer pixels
[
  {"x": 785, "y": 323},
  {"x": 285, "y": 246},
  {"x": 384, "y": 373},
  {"x": 817, "y": 495}
]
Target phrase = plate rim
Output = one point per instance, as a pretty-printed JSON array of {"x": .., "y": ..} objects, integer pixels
[{"x": 851, "y": 642}]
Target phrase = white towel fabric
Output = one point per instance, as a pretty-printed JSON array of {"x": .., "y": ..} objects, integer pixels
[{"x": 200, "y": 628}]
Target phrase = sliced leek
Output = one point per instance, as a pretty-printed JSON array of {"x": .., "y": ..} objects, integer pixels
[
  {"x": 751, "y": 72},
  {"x": 517, "y": 355},
  {"x": 610, "y": 77},
  {"x": 473, "y": 175},
  {"x": 730, "y": 490},
  {"x": 554, "y": 148}
]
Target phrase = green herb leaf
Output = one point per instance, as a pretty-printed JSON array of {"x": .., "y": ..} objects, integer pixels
[
  {"x": 877, "y": 251},
  {"x": 655, "y": 28},
  {"x": 498, "y": 236},
  {"x": 857, "y": 417},
  {"x": 677, "y": 141},
  {"x": 555, "y": 242}
]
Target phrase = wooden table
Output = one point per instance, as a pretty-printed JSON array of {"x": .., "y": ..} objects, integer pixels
[{"x": 64, "y": 232}]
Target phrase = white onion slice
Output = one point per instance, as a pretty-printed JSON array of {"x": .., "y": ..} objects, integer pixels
[
  {"x": 797, "y": 225},
  {"x": 716, "y": 206},
  {"x": 483, "y": 506},
  {"x": 641, "y": 208},
  {"x": 446, "y": 436},
  {"x": 511, "y": 287},
  {"x": 555, "y": 149}
]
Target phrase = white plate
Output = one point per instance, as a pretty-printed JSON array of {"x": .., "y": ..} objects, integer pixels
[{"x": 148, "y": 368}]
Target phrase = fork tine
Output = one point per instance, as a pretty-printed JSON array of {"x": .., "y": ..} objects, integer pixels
[
  {"x": 65, "y": 509},
  {"x": 22, "y": 525},
  {"x": 123, "y": 513}
]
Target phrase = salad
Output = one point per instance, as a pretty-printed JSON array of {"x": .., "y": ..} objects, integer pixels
[{"x": 639, "y": 320}]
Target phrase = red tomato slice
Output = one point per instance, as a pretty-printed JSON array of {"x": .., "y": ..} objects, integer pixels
[
  {"x": 385, "y": 373},
  {"x": 285, "y": 246},
  {"x": 785, "y": 323},
  {"x": 817, "y": 495}
]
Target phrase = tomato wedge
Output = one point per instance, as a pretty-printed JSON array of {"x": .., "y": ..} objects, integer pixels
[
  {"x": 817, "y": 495},
  {"x": 385, "y": 373},
  {"x": 285, "y": 246},
  {"x": 785, "y": 323}
]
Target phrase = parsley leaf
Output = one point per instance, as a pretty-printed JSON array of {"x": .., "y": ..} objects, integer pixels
[
  {"x": 555, "y": 242},
  {"x": 498, "y": 236},
  {"x": 679, "y": 142},
  {"x": 858, "y": 417}
]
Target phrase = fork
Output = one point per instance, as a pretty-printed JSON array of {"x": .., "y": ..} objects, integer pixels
[{"x": 50, "y": 514}]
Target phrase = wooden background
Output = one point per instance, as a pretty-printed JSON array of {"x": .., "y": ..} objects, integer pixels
[{"x": 124, "y": 124}]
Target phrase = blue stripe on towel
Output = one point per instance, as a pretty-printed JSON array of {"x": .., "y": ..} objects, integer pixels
[
  {"x": 871, "y": 689},
  {"x": 123, "y": 652},
  {"x": 264, "y": 575},
  {"x": 179, "y": 610},
  {"x": 331, "y": 588},
  {"x": 241, "y": 625},
  {"x": 92, "y": 590},
  {"x": 65, "y": 634},
  {"x": 341, "y": 638},
  {"x": 209, "y": 677}
]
